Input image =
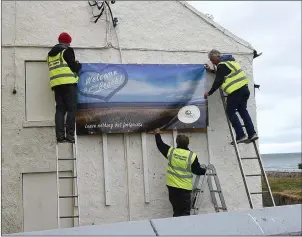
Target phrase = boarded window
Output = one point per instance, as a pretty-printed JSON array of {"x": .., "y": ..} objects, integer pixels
[
  {"x": 40, "y": 103},
  {"x": 40, "y": 201}
]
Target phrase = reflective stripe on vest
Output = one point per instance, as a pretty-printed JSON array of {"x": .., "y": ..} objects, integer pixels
[
  {"x": 59, "y": 71},
  {"x": 235, "y": 79},
  {"x": 180, "y": 175},
  {"x": 179, "y": 172}
]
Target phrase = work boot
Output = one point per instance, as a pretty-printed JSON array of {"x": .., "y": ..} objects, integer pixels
[
  {"x": 70, "y": 139},
  {"x": 252, "y": 138},
  {"x": 61, "y": 139},
  {"x": 240, "y": 140}
]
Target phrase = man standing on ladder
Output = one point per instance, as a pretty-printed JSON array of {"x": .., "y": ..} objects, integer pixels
[
  {"x": 63, "y": 70},
  {"x": 234, "y": 82},
  {"x": 182, "y": 164}
]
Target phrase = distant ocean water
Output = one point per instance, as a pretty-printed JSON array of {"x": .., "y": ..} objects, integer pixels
[{"x": 282, "y": 162}]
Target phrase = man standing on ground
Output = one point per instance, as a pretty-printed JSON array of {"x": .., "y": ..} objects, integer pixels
[
  {"x": 182, "y": 164},
  {"x": 63, "y": 70},
  {"x": 234, "y": 82}
]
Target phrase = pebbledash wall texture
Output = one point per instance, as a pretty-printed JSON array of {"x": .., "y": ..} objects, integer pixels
[{"x": 148, "y": 32}]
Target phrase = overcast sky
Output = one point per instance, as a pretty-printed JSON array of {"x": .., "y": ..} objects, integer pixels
[{"x": 273, "y": 28}]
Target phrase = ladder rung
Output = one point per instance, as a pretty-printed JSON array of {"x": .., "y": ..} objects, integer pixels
[
  {"x": 71, "y": 177},
  {"x": 259, "y": 192},
  {"x": 211, "y": 174},
  {"x": 221, "y": 208},
  {"x": 249, "y": 158},
  {"x": 68, "y": 217},
  {"x": 71, "y": 196},
  {"x": 215, "y": 191},
  {"x": 67, "y": 159},
  {"x": 253, "y": 175}
]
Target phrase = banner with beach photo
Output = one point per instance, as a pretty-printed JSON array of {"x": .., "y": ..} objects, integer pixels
[{"x": 121, "y": 98}]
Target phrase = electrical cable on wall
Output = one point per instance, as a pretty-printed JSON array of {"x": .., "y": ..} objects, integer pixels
[
  {"x": 96, "y": 15},
  {"x": 108, "y": 29},
  {"x": 101, "y": 6},
  {"x": 114, "y": 19},
  {"x": 118, "y": 45},
  {"x": 15, "y": 65}
]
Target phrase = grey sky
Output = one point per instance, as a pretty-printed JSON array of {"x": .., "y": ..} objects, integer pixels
[{"x": 274, "y": 28}]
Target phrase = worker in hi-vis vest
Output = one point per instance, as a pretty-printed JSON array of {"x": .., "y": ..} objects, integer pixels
[
  {"x": 63, "y": 70},
  {"x": 234, "y": 82},
  {"x": 182, "y": 164}
]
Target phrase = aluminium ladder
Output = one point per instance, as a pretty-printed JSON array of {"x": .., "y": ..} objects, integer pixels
[
  {"x": 75, "y": 192},
  {"x": 198, "y": 188},
  {"x": 239, "y": 158}
]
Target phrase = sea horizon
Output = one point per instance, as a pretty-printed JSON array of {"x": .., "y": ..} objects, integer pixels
[
  {"x": 285, "y": 162},
  {"x": 281, "y": 153}
]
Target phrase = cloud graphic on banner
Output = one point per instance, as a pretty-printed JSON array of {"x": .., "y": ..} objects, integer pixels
[
  {"x": 142, "y": 88},
  {"x": 189, "y": 90}
]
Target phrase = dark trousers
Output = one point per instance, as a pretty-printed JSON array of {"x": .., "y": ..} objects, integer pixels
[
  {"x": 238, "y": 101},
  {"x": 180, "y": 200},
  {"x": 66, "y": 102}
]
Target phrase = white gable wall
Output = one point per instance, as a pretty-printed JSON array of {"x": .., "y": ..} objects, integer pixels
[{"x": 149, "y": 32}]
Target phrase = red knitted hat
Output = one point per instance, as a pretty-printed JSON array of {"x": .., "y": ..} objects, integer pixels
[{"x": 64, "y": 38}]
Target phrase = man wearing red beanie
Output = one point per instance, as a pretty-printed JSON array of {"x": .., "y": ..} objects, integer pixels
[{"x": 63, "y": 73}]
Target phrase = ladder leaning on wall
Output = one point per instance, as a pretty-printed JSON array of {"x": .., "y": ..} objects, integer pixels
[
  {"x": 74, "y": 177},
  {"x": 239, "y": 158}
]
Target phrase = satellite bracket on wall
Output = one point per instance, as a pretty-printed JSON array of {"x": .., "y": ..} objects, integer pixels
[
  {"x": 255, "y": 54},
  {"x": 256, "y": 87}
]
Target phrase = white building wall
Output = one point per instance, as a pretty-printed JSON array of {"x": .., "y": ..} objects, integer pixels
[{"x": 149, "y": 32}]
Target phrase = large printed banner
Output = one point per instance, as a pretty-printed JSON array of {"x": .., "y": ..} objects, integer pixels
[{"x": 121, "y": 98}]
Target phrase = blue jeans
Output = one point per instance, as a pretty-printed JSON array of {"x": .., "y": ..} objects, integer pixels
[{"x": 238, "y": 101}]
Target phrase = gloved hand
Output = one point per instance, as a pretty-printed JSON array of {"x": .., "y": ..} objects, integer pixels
[
  {"x": 206, "y": 95},
  {"x": 207, "y": 67}
]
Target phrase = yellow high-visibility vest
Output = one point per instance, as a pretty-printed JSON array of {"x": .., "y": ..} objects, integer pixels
[
  {"x": 59, "y": 71},
  {"x": 235, "y": 79},
  {"x": 179, "y": 173}
]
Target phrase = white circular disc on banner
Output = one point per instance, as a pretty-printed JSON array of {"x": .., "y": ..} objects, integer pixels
[{"x": 189, "y": 114}]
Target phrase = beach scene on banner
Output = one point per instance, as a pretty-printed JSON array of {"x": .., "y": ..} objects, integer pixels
[{"x": 118, "y": 98}]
